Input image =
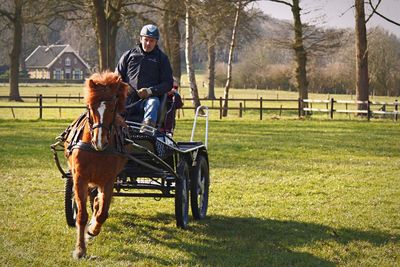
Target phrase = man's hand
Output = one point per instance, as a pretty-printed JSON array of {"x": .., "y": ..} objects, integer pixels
[{"x": 144, "y": 93}]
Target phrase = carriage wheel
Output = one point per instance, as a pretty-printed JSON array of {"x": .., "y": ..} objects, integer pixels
[
  {"x": 69, "y": 202},
  {"x": 182, "y": 195},
  {"x": 199, "y": 188}
]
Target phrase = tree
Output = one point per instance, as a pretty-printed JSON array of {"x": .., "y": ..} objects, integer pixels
[
  {"x": 383, "y": 62},
  {"x": 298, "y": 47},
  {"x": 362, "y": 79},
  {"x": 19, "y": 13},
  {"x": 212, "y": 19},
  {"x": 171, "y": 34},
  {"x": 106, "y": 16},
  {"x": 189, "y": 55},
  {"x": 239, "y": 6}
]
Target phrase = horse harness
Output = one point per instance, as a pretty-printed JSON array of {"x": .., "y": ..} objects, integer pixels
[{"x": 72, "y": 136}]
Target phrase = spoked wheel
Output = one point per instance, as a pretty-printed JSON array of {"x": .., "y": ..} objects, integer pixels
[
  {"x": 71, "y": 208},
  {"x": 182, "y": 195},
  {"x": 199, "y": 188}
]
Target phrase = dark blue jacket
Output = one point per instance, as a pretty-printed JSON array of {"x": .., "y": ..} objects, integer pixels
[{"x": 146, "y": 70}]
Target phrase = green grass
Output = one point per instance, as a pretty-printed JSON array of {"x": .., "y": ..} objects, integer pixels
[{"x": 283, "y": 192}]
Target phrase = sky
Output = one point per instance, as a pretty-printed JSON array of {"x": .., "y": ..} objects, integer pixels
[{"x": 336, "y": 13}]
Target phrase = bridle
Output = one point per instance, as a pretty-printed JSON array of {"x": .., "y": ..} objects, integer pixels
[{"x": 109, "y": 128}]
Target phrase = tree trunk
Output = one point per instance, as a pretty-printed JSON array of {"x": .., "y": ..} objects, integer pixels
[
  {"x": 362, "y": 79},
  {"x": 301, "y": 55},
  {"x": 189, "y": 59},
  {"x": 211, "y": 68},
  {"x": 16, "y": 53},
  {"x": 171, "y": 37},
  {"x": 105, "y": 23},
  {"x": 230, "y": 59}
]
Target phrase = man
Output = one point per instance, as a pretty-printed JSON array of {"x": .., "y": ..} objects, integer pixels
[{"x": 148, "y": 71}]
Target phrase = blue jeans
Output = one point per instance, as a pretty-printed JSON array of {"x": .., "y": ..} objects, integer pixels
[{"x": 150, "y": 107}]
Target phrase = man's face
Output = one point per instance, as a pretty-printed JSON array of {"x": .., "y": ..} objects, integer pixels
[{"x": 148, "y": 43}]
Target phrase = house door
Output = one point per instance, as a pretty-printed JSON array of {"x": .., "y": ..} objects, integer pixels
[{"x": 67, "y": 74}]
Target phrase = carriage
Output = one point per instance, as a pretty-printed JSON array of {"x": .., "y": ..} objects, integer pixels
[
  {"x": 111, "y": 154},
  {"x": 157, "y": 167}
]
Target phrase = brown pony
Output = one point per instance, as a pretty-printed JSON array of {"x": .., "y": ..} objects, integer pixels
[{"x": 96, "y": 160}]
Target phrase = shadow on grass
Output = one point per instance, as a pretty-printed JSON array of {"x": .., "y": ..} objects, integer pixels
[{"x": 237, "y": 241}]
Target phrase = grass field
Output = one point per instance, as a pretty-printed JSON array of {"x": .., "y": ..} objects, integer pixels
[{"x": 284, "y": 192}]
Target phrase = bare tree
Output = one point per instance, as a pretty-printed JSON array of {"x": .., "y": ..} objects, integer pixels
[
  {"x": 106, "y": 16},
  {"x": 213, "y": 17},
  {"x": 239, "y": 6},
  {"x": 362, "y": 78},
  {"x": 189, "y": 55},
  {"x": 19, "y": 13},
  {"x": 383, "y": 61},
  {"x": 173, "y": 12},
  {"x": 298, "y": 47}
]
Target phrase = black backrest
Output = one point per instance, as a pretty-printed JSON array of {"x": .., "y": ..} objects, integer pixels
[{"x": 162, "y": 111}]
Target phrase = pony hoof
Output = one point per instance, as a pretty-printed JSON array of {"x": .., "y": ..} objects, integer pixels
[
  {"x": 89, "y": 236},
  {"x": 78, "y": 254}
]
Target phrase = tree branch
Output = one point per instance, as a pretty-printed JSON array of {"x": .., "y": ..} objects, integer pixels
[
  {"x": 373, "y": 9},
  {"x": 380, "y": 15},
  {"x": 282, "y": 2}
]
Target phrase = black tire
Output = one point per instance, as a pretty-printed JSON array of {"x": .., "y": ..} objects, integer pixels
[
  {"x": 182, "y": 195},
  {"x": 199, "y": 188},
  {"x": 69, "y": 203}
]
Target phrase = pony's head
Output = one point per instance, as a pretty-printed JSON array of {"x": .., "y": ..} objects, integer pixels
[{"x": 105, "y": 95}]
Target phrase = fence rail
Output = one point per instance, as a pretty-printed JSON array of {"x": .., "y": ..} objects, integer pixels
[{"x": 301, "y": 106}]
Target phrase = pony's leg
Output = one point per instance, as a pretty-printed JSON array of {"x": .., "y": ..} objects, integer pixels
[
  {"x": 80, "y": 190},
  {"x": 105, "y": 195},
  {"x": 96, "y": 204}
]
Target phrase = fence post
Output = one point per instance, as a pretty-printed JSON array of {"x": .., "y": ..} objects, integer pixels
[
  {"x": 261, "y": 108},
  {"x": 40, "y": 106},
  {"x": 240, "y": 110},
  {"x": 331, "y": 111},
  {"x": 396, "y": 108},
  {"x": 220, "y": 108},
  {"x": 369, "y": 110},
  {"x": 300, "y": 107}
]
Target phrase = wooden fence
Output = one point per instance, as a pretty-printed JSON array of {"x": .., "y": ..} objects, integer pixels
[{"x": 299, "y": 106}]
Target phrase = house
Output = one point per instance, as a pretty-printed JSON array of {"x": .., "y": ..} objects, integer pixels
[{"x": 56, "y": 62}]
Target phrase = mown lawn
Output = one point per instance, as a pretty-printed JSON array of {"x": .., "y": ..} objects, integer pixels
[{"x": 284, "y": 193}]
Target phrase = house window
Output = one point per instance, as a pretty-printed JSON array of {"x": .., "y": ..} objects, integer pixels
[
  {"x": 77, "y": 74},
  {"x": 57, "y": 73},
  {"x": 67, "y": 61},
  {"x": 75, "y": 61},
  {"x": 67, "y": 74}
]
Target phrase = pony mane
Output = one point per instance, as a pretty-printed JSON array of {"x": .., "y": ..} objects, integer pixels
[{"x": 105, "y": 85}]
